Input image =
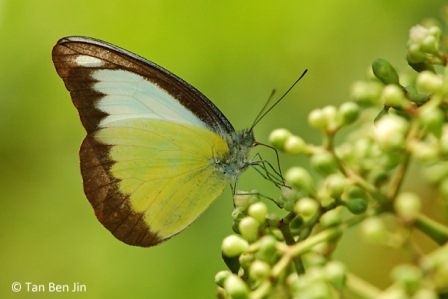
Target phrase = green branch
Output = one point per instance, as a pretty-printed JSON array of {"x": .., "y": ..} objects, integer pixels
[{"x": 433, "y": 229}]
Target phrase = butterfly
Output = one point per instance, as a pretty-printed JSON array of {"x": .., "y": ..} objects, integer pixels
[{"x": 157, "y": 152}]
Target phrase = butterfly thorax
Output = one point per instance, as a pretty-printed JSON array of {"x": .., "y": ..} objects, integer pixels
[{"x": 240, "y": 145}]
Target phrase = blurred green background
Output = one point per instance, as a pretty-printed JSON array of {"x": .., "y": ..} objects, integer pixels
[{"x": 235, "y": 52}]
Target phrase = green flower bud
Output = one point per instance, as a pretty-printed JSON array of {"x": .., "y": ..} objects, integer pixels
[
  {"x": 242, "y": 199},
  {"x": 349, "y": 112},
  {"x": 278, "y": 138},
  {"x": 423, "y": 151},
  {"x": 392, "y": 160},
  {"x": 385, "y": 72},
  {"x": 249, "y": 228},
  {"x": 366, "y": 92},
  {"x": 420, "y": 66},
  {"x": 237, "y": 213},
  {"x": 221, "y": 276},
  {"x": 307, "y": 208},
  {"x": 390, "y": 131},
  {"x": 432, "y": 118},
  {"x": 289, "y": 205},
  {"x": 378, "y": 176},
  {"x": 408, "y": 276},
  {"x": 374, "y": 231},
  {"x": 296, "y": 224},
  {"x": 324, "y": 199},
  {"x": 408, "y": 205},
  {"x": 331, "y": 114},
  {"x": 259, "y": 270},
  {"x": 317, "y": 119},
  {"x": 421, "y": 41},
  {"x": 295, "y": 145},
  {"x": 317, "y": 259},
  {"x": 356, "y": 192},
  {"x": 413, "y": 95},
  {"x": 292, "y": 282},
  {"x": 258, "y": 211},
  {"x": 317, "y": 289},
  {"x": 356, "y": 205},
  {"x": 436, "y": 173},
  {"x": 245, "y": 260},
  {"x": 234, "y": 245},
  {"x": 436, "y": 264},
  {"x": 268, "y": 248},
  {"x": 331, "y": 218},
  {"x": 315, "y": 274},
  {"x": 336, "y": 273},
  {"x": 324, "y": 161},
  {"x": 335, "y": 185},
  {"x": 273, "y": 220},
  {"x": 236, "y": 288},
  {"x": 393, "y": 95},
  {"x": 430, "y": 82},
  {"x": 361, "y": 148},
  {"x": 431, "y": 42},
  {"x": 299, "y": 178},
  {"x": 287, "y": 194}
]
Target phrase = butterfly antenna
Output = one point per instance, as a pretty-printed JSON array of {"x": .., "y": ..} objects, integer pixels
[
  {"x": 260, "y": 114},
  {"x": 266, "y": 110}
]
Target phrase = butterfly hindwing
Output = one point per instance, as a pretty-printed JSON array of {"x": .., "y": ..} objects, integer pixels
[
  {"x": 147, "y": 189},
  {"x": 148, "y": 160}
]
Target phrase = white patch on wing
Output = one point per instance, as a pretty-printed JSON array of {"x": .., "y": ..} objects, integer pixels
[
  {"x": 128, "y": 95},
  {"x": 88, "y": 61}
]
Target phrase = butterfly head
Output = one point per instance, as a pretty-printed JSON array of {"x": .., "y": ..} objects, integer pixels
[
  {"x": 245, "y": 138},
  {"x": 240, "y": 145}
]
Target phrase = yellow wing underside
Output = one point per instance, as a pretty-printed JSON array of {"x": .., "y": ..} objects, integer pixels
[{"x": 166, "y": 169}]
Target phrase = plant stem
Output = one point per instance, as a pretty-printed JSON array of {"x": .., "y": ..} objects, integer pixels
[
  {"x": 361, "y": 288},
  {"x": 261, "y": 291},
  {"x": 402, "y": 169},
  {"x": 303, "y": 247},
  {"x": 433, "y": 229},
  {"x": 357, "y": 179},
  {"x": 289, "y": 239}
]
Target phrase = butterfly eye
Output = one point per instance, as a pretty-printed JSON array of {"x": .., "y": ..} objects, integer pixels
[{"x": 248, "y": 138}]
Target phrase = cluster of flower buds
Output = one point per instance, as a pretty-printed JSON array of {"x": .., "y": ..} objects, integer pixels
[{"x": 400, "y": 119}]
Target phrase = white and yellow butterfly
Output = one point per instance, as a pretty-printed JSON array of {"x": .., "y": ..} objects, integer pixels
[{"x": 157, "y": 151}]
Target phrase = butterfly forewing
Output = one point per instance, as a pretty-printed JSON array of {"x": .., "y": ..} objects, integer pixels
[
  {"x": 148, "y": 158},
  {"x": 75, "y": 58}
]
